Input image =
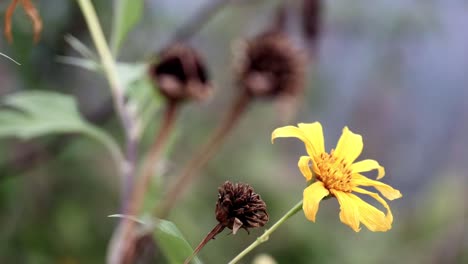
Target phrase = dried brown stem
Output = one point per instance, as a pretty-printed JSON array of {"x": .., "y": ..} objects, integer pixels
[
  {"x": 204, "y": 155},
  {"x": 141, "y": 187},
  {"x": 216, "y": 230}
]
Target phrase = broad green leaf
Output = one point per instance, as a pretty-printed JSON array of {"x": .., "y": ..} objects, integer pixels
[
  {"x": 36, "y": 113},
  {"x": 126, "y": 16},
  {"x": 172, "y": 243}
]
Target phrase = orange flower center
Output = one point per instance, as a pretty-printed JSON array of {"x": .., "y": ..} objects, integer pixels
[{"x": 334, "y": 172}]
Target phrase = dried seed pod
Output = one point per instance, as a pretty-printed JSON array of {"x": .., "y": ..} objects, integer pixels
[
  {"x": 270, "y": 65},
  {"x": 180, "y": 74},
  {"x": 239, "y": 206}
]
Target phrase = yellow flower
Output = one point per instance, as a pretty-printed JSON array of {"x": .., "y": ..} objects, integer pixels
[{"x": 337, "y": 174}]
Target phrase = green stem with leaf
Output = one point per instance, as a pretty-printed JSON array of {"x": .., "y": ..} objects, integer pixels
[
  {"x": 263, "y": 238},
  {"x": 110, "y": 69}
]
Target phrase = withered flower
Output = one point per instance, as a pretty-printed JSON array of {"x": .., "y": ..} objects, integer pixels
[
  {"x": 32, "y": 13},
  {"x": 270, "y": 65},
  {"x": 180, "y": 74},
  {"x": 239, "y": 206}
]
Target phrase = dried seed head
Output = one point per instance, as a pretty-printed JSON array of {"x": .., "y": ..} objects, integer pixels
[
  {"x": 270, "y": 65},
  {"x": 311, "y": 20},
  {"x": 181, "y": 74},
  {"x": 239, "y": 206}
]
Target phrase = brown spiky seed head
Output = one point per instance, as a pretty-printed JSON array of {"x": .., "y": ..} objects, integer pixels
[
  {"x": 270, "y": 65},
  {"x": 180, "y": 74},
  {"x": 239, "y": 206}
]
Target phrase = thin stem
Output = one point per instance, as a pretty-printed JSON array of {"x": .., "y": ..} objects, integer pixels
[
  {"x": 263, "y": 238},
  {"x": 216, "y": 230},
  {"x": 110, "y": 70},
  {"x": 204, "y": 155},
  {"x": 6, "y": 56},
  {"x": 153, "y": 157},
  {"x": 105, "y": 55},
  {"x": 141, "y": 187}
]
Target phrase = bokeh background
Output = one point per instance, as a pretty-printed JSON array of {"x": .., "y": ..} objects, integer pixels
[{"x": 394, "y": 71}]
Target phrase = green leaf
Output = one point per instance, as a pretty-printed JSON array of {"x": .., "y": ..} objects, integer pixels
[
  {"x": 128, "y": 72},
  {"x": 80, "y": 47},
  {"x": 36, "y": 113},
  {"x": 172, "y": 243},
  {"x": 169, "y": 239},
  {"x": 126, "y": 16}
]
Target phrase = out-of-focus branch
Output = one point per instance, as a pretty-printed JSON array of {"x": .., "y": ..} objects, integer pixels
[{"x": 117, "y": 91}]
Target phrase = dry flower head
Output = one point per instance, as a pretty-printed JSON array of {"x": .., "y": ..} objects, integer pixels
[
  {"x": 270, "y": 65},
  {"x": 180, "y": 74},
  {"x": 239, "y": 206}
]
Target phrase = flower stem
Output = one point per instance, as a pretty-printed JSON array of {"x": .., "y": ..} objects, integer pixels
[
  {"x": 153, "y": 157},
  {"x": 263, "y": 238},
  {"x": 143, "y": 183},
  {"x": 204, "y": 155},
  {"x": 216, "y": 230},
  {"x": 110, "y": 69}
]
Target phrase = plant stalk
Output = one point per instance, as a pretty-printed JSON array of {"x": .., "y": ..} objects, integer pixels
[
  {"x": 263, "y": 238},
  {"x": 216, "y": 230},
  {"x": 128, "y": 122},
  {"x": 143, "y": 183}
]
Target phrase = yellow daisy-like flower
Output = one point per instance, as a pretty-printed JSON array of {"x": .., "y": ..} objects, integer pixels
[{"x": 337, "y": 174}]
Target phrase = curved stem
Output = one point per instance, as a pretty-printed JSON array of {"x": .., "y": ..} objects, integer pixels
[
  {"x": 263, "y": 238},
  {"x": 216, "y": 230},
  {"x": 152, "y": 158},
  {"x": 204, "y": 155}
]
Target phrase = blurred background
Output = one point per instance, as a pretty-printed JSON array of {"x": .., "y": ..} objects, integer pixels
[{"x": 394, "y": 71}]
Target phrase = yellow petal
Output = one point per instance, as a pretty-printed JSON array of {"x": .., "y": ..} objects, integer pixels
[
  {"x": 312, "y": 197},
  {"x": 292, "y": 131},
  {"x": 314, "y": 134},
  {"x": 304, "y": 166},
  {"x": 368, "y": 165},
  {"x": 373, "y": 218},
  {"x": 349, "y": 213},
  {"x": 386, "y": 190},
  {"x": 349, "y": 146}
]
